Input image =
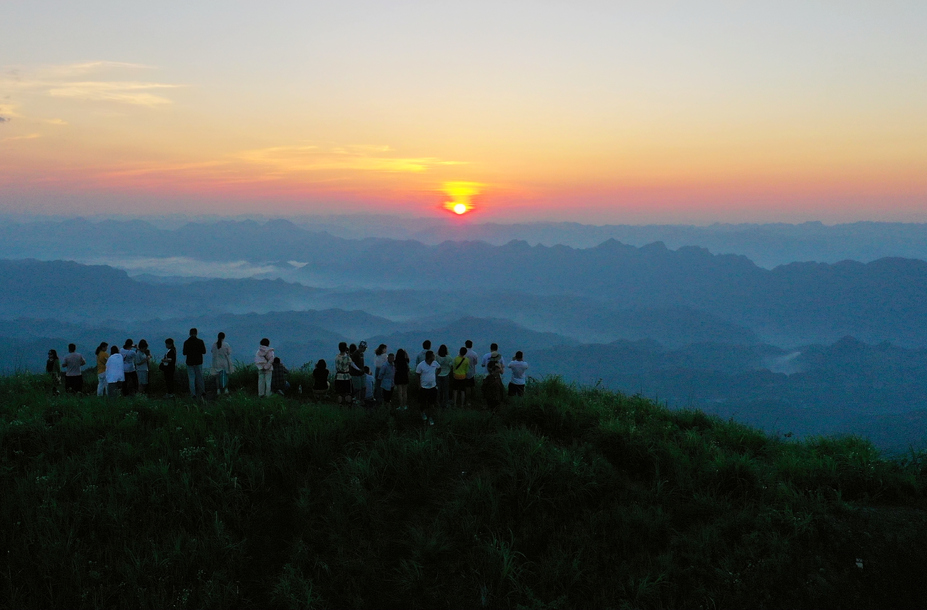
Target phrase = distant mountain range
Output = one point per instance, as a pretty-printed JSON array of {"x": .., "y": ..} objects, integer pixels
[{"x": 768, "y": 245}]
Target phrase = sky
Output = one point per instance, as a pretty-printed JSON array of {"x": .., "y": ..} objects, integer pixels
[{"x": 597, "y": 112}]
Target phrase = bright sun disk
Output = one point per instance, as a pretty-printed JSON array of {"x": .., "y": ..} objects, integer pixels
[{"x": 460, "y": 208}]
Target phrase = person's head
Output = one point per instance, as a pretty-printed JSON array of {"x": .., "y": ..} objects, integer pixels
[
  {"x": 362, "y": 346},
  {"x": 463, "y": 350},
  {"x": 367, "y": 369},
  {"x": 114, "y": 350},
  {"x": 391, "y": 358},
  {"x": 429, "y": 356},
  {"x": 468, "y": 343},
  {"x": 103, "y": 347},
  {"x": 53, "y": 354},
  {"x": 401, "y": 355},
  {"x": 381, "y": 349},
  {"x": 442, "y": 351},
  {"x": 128, "y": 344},
  {"x": 321, "y": 365},
  {"x": 426, "y": 344},
  {"x": 352, "y": 348},
  {"x": 342, "y": 347},
  {"x": 220, "y": 339},
  {"x": 265, "y": 342},
  {"x": 192, "y": 332},
  {"x": 169, "y": 343},
  {"x": 519, "y": 355},
  {"x": 72, "y": 348},
  {"x": 143, "y": 345},
  {"x": 494, "y": 347},
  {"x": 276, "y": 360}
]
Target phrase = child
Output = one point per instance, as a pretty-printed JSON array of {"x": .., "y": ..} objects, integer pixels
[
  {"x": 278, "y": 382},
  {"x": 369, "y": 382},
  {"x": 493, "y": 390}
]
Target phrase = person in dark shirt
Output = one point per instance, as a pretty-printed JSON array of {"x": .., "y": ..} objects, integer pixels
[
  {"x": 194, "y": 349},
  {"x": 168, "y": 366},
  {"x": 320, "y": 380},
  {"x": 278, "y": 381},
  {"x": 493, "y": 390}
]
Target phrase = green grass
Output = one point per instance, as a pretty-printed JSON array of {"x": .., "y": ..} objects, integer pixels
[{"x": 569, "y": 498}]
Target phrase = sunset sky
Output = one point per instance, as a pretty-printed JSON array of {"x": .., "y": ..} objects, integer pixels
[{"x": 599, "y": 112}]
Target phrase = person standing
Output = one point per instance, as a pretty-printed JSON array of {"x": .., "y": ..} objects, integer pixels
[
  {"x": 386, "y": 377},
  {"x": 320, "y": 380},
  {"x": 420, "y": 358},
  {"x": 427, "y": 375},
  {"x": 194, "y": 349},
  {"x": 222, "y": 363},
  {"x": 358, "y": 376},
  {"x": 264, "y": 360},
  {"x": 471, "y": 371},
  {"x": 518, "y": 368},
  {"x": 493, "y": 357},
  {"x": 379, "y": 360},
  {"x": 401, "y": 379},
  {"x": 493, "y": 390},
  {"x": 102, "y": 354},
  {"x": 115, "y": 372},
  {"x": 73, "y": 375},
  {"x": 459, "y": 381},
  {"x": 343, "y": 374},
  {"x": 168, "y": 366},
  {"x": 446, "y": 362},
  {"x": 130, "y": 384},
  {"x": 142, "y": 358}
]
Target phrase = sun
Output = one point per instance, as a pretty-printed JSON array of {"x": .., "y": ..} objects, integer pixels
[{"x": 461, "y": 196}]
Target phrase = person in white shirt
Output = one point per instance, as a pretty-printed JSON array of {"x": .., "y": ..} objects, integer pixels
[
  {"x": 518, "y": 367},
  {"x": 428, "y": 379},
  {"x": 493, "y": 356},
  {"x": 115, "y": 372}
]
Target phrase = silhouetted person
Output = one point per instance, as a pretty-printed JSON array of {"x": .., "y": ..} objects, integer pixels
[
  {"x": 73, "y": 375},
  {"x": 194, "y": 349},
  {"x": 168, "y": 366}
]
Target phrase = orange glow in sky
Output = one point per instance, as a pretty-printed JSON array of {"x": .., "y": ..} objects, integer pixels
[{"x": 598, "y": 113}]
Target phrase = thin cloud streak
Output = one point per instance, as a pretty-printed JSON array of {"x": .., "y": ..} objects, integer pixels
[
  {"x": 308, "y": 158},
  {"x": 136, "y": 93}
]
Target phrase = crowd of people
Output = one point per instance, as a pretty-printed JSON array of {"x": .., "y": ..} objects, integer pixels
[{"x": 444, "y": 380}]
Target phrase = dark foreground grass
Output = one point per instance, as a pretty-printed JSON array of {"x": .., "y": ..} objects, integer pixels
[{"x": 569, "y": 498}]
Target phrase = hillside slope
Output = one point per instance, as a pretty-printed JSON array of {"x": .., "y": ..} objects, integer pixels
[{"x": 570, "y": 498}]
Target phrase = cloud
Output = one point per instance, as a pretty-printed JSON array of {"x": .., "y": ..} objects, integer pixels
[
  {"x": 56, "y": 121},
  {"x": 31, "y": 136},
  {"x": 61, "y": 82},
  {"x": 3, "y": 119},
  {"x": 306, "y": 158},
  {"x": 125, "y": 92}
]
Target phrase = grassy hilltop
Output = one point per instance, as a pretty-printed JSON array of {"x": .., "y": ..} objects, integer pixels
[{"x": 569, "y": 498}]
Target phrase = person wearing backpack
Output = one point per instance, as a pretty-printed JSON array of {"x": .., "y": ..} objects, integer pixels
[{"x": 264, "y": 360}]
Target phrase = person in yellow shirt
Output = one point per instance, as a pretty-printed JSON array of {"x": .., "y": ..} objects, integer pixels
[{"x": 459, "y": 380}]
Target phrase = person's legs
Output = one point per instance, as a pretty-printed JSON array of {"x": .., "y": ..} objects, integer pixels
[
  {"x": 264, "y": 383},
  {"x": 442, "y": 390},
  {"x": 191, "y": 379},
  {"x": 169, "y": 381},
  {"x": 101, "y": 384},
  {"x": 113, "y": 390},
  {"x": 200, "y": 380}
]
